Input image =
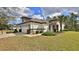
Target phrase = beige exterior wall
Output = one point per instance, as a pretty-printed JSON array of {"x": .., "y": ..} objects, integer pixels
[
  {"x": 58, "y": 26},
  {"x": 63, "y": 25},
  {"x": 33, "y": 25},
  {"x": 25, "y": 27},
  {"x": 57, "y": 23},
  {"x": 17, "y": 27},
  {"x": 46, "y": 27},
  {"x": 39, "y": 26}
]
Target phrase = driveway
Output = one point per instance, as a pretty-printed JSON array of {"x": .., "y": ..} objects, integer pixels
[
  {"x": 7, "y": 35},
  {"x": 17, "y": 34}
]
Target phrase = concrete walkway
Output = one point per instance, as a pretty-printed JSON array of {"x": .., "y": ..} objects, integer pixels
[
  {"x": 18, "y": 34},
  {"x": 32, "y": 35},
  {"x": 7, "y": 35}
]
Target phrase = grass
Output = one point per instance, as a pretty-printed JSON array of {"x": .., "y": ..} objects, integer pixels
[{"x": 66, "y": 41}]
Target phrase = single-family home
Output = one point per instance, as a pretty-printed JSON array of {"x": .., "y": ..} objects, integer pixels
[{"x": 34, "y": 25}]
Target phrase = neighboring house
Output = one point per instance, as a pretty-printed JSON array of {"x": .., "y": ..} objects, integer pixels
[{"x": 34, "y": 26}]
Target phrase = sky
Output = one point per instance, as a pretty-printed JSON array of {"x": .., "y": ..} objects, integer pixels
[
  {"x": 43, "y": 12},
  {"x": 33, "y": 12},
  {"x": 37, "y": 12}
]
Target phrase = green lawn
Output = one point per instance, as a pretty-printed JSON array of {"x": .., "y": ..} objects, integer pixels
[{"x": 66, "y": 41}]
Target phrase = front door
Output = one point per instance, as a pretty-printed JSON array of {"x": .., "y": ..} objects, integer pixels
[{"x": 55, "y": 28}]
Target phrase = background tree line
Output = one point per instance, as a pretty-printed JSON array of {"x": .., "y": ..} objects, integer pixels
[{"x": 70, "y": 21}]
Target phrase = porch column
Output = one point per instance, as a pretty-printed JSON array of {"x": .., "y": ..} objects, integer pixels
[
  {"x": 58, "y": 27},
  {"x": 51, "y": 28}
]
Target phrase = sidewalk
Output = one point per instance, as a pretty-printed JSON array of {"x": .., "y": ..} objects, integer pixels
[
  {"x": 7, "y": 35},
  {"x": 18, "y": 34},
  {"x": 28, "y": 35},
  {"x": 32, "y": 35}
]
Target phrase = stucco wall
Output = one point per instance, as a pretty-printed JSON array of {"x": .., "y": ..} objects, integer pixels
[
  {"x": 46, "y": 27},
  {"x": 24, "y": 27},
  {"x": 63, "y": 25},
  {"x": 34, "y": 25},
  {"x": 37, "y": 25},
  {"x": 58, "y": 26},
  {"x": 56, "y": 23}
]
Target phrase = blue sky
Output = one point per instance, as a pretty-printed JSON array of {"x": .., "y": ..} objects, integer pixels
[
  {"x": 36, "y": 10},
  {"x": 44, "y": 12},
  {"x": 65, "y": 12}
]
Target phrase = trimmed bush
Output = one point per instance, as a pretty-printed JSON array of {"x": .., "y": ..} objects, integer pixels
[{"x": 49, "y": 33}]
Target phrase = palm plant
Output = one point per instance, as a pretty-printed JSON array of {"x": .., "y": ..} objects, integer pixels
[
  {"x": 73, "y": 21},
  {"x": 61, "y": 19}
]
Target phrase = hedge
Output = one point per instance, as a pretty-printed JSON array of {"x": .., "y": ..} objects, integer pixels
[{"x": 49, "y": 33}]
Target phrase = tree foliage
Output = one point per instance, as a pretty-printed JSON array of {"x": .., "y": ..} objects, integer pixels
[{"x": 70, "y": 21}]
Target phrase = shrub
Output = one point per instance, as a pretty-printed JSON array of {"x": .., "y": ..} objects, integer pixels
[
  {"x": 66, "y": 30},
  {"x": 9, "y": 31},
  {"x": 15, "y": 31},
  {"x": 49, "y": 33}
]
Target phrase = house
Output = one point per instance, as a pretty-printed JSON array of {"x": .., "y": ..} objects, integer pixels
[{"x": 34, "y": 26}]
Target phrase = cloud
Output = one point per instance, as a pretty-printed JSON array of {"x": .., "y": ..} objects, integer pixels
[
  {"x": 15, "y": 11},
  {"x": 24, "y": 11},
  {"x": 51, "y": 10},
  {"x": 73, "y": 12},
  {"x": 37, "y": 16},
  {"x": 55, "y": 14},
  {"x": 28, "y": 11}
]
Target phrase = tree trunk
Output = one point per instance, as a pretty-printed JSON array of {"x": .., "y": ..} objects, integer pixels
[
  {"x": 75, "y": 25},
  {"x": 60, "y": 26}
]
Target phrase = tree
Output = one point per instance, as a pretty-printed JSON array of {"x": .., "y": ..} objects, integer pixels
[
  {"x": 61, "y": 19},
  {"x": 6, "y": 13},
  {"x": 2, "y": 24},
  {"x": 73, "y": 21},
  {"x": 67, "y": 22}
]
